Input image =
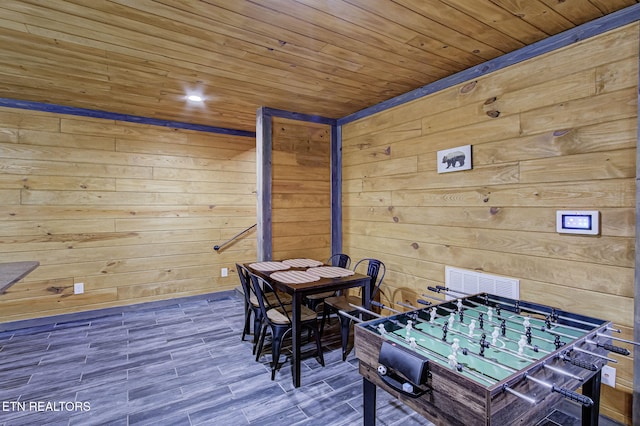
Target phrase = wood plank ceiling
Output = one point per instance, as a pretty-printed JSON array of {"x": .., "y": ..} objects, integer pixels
[{"x": 322, "y": 57}]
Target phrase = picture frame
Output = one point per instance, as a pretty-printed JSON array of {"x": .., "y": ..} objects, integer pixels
[{"x": 454, "y": 159}]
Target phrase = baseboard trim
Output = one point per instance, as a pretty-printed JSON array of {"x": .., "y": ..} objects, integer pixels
[{"x": 51, "y": 321}]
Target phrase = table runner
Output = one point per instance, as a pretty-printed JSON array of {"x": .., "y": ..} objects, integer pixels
[
  {"x": 269, "y": 266},
  {"x": 330, "y": 271},
  {"x": 302, "y": 263},
  {"x": 294, "y": 277}
]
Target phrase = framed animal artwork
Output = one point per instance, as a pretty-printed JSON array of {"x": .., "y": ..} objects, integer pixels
[{"x": 454, "y": 159}]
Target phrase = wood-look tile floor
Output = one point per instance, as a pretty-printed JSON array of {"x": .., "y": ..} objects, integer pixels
[{"x": 177, "y": 364}]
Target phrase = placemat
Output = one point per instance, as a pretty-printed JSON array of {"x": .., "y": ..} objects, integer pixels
[
  {"x": 302, "y": 263},
  {"x": 330, "y": 271},
  {"x": 294, "y": 277},
  {"x": 269, "y": 266}
]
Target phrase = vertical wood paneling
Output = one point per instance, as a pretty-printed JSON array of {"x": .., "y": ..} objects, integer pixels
[
  {"x": 557, "y": 132},
  {"x": 131, "y": 210}
]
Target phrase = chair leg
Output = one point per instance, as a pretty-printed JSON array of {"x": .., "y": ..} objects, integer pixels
[
  {"x": 247, "y": 323},
  {"x": 318, "y": 344},
  {"x": 276, "y": 344},
  {"x": 326, "y": 311},
  {"x": 257, "y": 350},
  {"x": 257, "y": 319},
  {"x": 345, "y": 325}
]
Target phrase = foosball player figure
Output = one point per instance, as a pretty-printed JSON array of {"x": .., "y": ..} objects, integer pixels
[
  {"x": 483, "y": 343},
  {"x": 557, "y": 342},
  {"x": 494, "y": 335},
  {"x": 432, "y": 315}
]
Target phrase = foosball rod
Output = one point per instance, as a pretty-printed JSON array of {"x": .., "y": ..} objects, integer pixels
[
  {"x": 611, "y": 348},
  {"x": 508, "y": 328},
  {"x": 544, "y": 364},
  {"x": 405, "y": 305},
  {"x": 511, "y": 329},
  {"x": 561, "y": 372},
  {"x": 535, "y": 311},
  {"x": 452, "y": 293},
  {"x": 618, "y": 339},
  {"x": 468, "y": 370},
  {"x": 514, "y": 353},
  {"x": 432, "y": 298},
  {"x": 529, "y": 399},
  {"x": 579, "y": 363},
  {"x": 360, "y": 308},
  {"x": 445, "y": 290},
  {"x": 506, "y": 388},
  {"x": 574, "y": 396},
  {"x": 431, "y": 336},
  {"x": 484, "y": 359},
  {"x": 593, "y": 354},
  {"x": 542, "y": 328},
  {"x": 435, "y": 354}
]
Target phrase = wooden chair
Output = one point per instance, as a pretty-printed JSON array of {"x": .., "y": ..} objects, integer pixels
[
  {"x": 376, "y": 270},
  {"x": 276, "y": 318}
]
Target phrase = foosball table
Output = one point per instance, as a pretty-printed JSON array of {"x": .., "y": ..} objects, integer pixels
[{"x": 484, "y": 360}]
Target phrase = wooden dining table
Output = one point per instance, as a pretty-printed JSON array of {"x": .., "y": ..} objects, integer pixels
[{"x": 299, "y": 291}]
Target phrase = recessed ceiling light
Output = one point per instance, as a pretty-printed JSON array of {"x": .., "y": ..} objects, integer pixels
[{"x": 195, "y": 98}]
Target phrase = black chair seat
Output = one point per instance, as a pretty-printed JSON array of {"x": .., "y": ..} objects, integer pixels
[
  {"x": 376, "y": 271},
  {"x": 276, "y": 318},
  {"x": 314, "y": 300}
]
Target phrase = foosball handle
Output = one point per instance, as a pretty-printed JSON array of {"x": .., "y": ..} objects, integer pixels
[
  {"x": 423, "y": 302},
  {"x": 615, "y": 349},
  {"x": 441, "y": 287},
  {"x": 574, "y": 396},
  {"x": 377, "y": 304},
  {"x": 434, "y": 289},
  {"x": 582, "y": 364}
]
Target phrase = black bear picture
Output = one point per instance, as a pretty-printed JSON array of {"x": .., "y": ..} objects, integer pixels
[{"x": 454, "y": 159}]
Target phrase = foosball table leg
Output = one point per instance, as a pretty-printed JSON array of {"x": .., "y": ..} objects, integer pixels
[
  {"x": 591, "y": 388},
  {"x": 369, "y": 400}
]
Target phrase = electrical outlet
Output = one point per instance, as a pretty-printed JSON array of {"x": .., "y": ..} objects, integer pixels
[
  {"x": 224, "y": 272},
  {"x": 609, "y": 376},
  {"x": 78, "y": 288}
]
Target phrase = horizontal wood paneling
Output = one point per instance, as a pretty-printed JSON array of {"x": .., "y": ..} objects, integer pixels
[
  {"x": 132, "y": 211},
  {"x": 301, "y": 201},
  {"x": 559, "y": 132}
]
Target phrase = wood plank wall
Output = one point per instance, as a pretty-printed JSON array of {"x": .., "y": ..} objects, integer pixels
[
  {"x": 555, "y": 132},
  {"x": 301, "y": 189},
  {"x": 130, "y": 210}
]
